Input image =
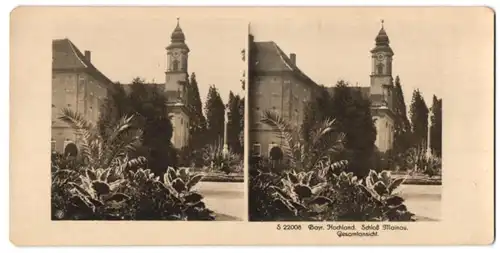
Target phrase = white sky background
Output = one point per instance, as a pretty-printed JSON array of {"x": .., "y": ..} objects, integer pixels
[
  {"x": 130, "y": 45},
  {"x": 432, "y": 52}
]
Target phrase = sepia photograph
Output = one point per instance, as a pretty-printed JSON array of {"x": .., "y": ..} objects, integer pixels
[
  {"x": 288, "y": 125},
  {"x": 144, "y": 125},
  {"x": 345, "y": 120}
]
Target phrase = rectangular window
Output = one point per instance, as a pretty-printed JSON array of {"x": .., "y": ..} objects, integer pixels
[{"x": 256, "y": 149}]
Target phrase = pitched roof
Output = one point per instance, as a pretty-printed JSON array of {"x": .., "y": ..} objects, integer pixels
[
  {"x": 66, "y": 56},
  {"x": 268, "y": 57}
]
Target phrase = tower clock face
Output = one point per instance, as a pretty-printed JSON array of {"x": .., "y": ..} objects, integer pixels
[{"x": 380, "y": 56}]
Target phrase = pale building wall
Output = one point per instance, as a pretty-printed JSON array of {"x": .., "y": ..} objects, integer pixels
[
  {"x": 180, "y": 124},
  {"x": 79, "y": 92},
  {"x": 385, "y": 132},
  {"x": 284, "y": 94}
]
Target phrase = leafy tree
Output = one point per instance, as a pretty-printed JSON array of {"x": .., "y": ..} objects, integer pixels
[
  {"x": 214, "y": 110},
  {"x": 419, "y": 119},
  {"x": 198, "y": 121},
  {"x": 148, "y": 104},
  {"x": 436, "y": 126},
  {"x": 198, "y": 125},
  {"x": 402, "y": 127},
  {"x": 315, "y": 110},
  {"x": 352, "y": 110},
  {"x": 234, "y": 127},
  {"x": 114, "y": 106}
]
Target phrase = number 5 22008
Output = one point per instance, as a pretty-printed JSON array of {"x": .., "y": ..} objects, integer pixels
[{"x": 288, "y": 227}]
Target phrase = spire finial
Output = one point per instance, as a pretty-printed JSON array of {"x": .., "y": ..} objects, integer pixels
[
  {"x": 178, "y": 20},
  {"x": 382, "y": 23}
]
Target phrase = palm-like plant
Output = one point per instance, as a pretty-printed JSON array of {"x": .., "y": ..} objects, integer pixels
[
  {"x": 105, "y": 149},
  {"x": 322, "y": 142}
]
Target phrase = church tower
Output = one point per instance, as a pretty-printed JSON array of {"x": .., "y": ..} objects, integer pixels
[
  {"x": 381, "y": 90},
  {"x": 176, "y": 75},
  {"x": 381, "y": 80},
  {"x": 176, "y": 82}
]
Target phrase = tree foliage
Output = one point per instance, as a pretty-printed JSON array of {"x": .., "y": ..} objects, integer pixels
[
  {"x": 402, "y": 126},
  {"x": 214, "y": 111},
  {"x": 198, "y": 121},
  {"x": 436, "y": 126},
  {"x": 351, "y": 110},
  {"x": 148, "y": 104},
  {"x": 234, "y": 124},
  {"x": 419, "y": 119}
]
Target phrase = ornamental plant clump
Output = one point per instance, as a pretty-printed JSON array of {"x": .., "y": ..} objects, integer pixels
[
  {"x": 103, "y": 183},
  {"x": 214, "y": 159},
  {"x": 111, "y": 194},
  {"x": 326, "y": 194}
]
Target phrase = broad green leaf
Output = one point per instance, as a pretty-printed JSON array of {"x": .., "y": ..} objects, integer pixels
[
  {"x": 91, "y": 175},
  {"x": 320, "y": 201},
  {"x": 194, "y": 180},
  {"x": 394, "y": 201},
  {"x": 171, "y": 175},
  {"x": 373, "y": 177},
  {"x": 380, "y": 188},
  {"x": 193, "y": 197},
  {"x": 101, "y": 188},
  {"x": 292, "y": 178},
  {"x": 299, "y": 207},
  {"x": 386, "y": 177},
  {"x": 302, "y": 191},
  {"x": 318, "y": 188},
  {"x": 179, "y": 185},
  {"x": 119, "y": 197},
  {"x": 395, "y": 184},
  {"x": 105, "y": 175},
  {"x": 184, "y": 174}
]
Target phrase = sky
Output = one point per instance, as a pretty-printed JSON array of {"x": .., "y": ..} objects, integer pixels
[
  {"x": 434, "y": 50},
  {"x": 131, "y": 43}
]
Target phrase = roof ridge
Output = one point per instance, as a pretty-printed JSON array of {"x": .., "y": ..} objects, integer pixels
[
  {"x": 280, "y": 54},
  {"x": 75, "y": 49}
]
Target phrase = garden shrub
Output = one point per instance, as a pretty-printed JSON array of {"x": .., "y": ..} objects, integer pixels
[
  {"x": 325, "y": 194},
  {"x": 116, "y": 193},
  {"x": 214, "y": 158}
]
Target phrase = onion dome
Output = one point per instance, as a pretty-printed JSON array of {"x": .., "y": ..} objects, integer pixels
[
  {"x": 177, "y": 34},
  {"x": 382, "y": 39}
]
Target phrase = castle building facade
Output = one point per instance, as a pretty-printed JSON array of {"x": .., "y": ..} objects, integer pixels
[
  {"x": 277, "y": 84},
  {"x": 78, "y": 85}
]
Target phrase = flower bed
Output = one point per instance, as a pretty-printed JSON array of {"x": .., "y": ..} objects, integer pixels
[{"x": 219, "y": 176}]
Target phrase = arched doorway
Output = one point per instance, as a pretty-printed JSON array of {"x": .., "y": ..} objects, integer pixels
[{"x": 71, "y": 150}]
